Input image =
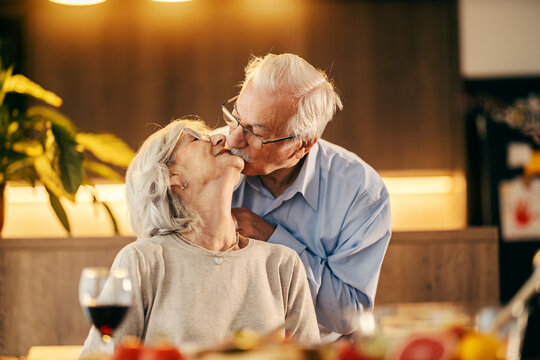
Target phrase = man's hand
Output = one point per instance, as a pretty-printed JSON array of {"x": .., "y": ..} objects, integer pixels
[{"x": 252, "y": 225}]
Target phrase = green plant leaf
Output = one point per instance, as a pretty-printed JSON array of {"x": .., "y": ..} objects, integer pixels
[
  {"x": 12, "y": 127},
  {"x": 51, "y": 147},
  {"x": 53, "y": 116},
  {"x": 41, "y": 143},
  {"x": 21, "y": 167},
  {"x": 4, "y": 75},
  {"x": 107, "y": 209},
  {"x": 21, "y": 84},
  {"x": 59, "y": 210},
  {"x": 50, "y": 177},
  {"x": 102, "y": 170},
  {"x": 107, "y": 148},
  {"x": 111, "y": 217},
  {"x": 31, "y": 148},
  {"x": 69, "y": 159},
  {"x": 5, "y": 119}
]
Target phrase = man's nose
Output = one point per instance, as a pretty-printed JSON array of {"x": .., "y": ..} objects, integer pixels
[
  {"x": 217, "y": 139},
  {"x": 236, "y": 138}
]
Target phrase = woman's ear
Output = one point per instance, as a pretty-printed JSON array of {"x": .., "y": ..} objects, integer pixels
[{"x": 175, "y": 179}]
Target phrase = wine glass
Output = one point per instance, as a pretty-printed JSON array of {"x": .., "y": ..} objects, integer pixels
[{"x": 105, "y": 296}]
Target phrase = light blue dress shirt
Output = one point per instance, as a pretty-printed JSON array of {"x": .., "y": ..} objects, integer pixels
[{"x": 336, "y": 216}]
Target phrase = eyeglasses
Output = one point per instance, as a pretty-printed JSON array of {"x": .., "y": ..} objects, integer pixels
[
  {"x": 252, "y": 139},
  {"x": 197, "y": 135}
]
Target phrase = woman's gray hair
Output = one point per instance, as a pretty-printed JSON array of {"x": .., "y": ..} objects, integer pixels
[
  {"x": 317, "y": 99},
  {"x": 153, "y": 207}
]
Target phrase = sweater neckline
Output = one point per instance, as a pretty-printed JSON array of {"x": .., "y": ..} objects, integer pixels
[{"x": 211, "y": 253}]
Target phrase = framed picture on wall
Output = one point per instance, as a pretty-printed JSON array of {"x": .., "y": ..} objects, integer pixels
[{"x": 520, "y": 209}]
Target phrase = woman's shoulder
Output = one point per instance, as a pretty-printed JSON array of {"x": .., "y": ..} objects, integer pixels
[
  {"x": 279, "y": 260},
  {"x": 143, "y": 245},
  {"x": 144, "y": 248},
  {"x": 275, "y": 251},
  {"x": 270, "y": 247},
  {"x": 145, "y": 255}
]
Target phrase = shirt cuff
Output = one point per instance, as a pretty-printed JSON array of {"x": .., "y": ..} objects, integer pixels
[{"x": 283, "y": 237}]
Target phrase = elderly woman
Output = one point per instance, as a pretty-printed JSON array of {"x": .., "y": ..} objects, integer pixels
[{"x": 195, "y": 279}]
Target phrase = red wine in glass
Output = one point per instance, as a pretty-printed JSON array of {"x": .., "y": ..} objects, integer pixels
[
  {"x": 106, "y": 318},
  {"x": 105, "y": 297}
]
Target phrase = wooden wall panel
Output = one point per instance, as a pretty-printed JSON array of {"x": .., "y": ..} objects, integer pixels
[
  {"x": 396, "y": 64},
  {"x": 457, "y": 266},
  {"x": 124, "y": 65},
  {"x": 39, "y": 303}
]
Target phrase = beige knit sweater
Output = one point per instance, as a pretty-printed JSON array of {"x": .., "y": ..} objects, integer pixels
[{"x": 180, "y": 292}]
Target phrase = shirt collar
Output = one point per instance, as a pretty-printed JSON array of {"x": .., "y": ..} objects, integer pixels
[{"x": 306, "y": 183}]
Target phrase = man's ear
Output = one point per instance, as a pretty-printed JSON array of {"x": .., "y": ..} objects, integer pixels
[{"x": 304, "y": 148}]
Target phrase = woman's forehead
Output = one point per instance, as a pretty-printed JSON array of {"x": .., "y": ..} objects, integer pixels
[
  {"x": 188, "y": 133},
  {"x": 198, "y": 126}
]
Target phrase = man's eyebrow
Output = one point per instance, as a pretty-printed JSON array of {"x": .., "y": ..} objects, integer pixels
[{"x": 258, "y": 126}]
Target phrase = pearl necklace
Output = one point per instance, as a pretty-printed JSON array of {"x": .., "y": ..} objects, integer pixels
[{"x": 218, "y": 255}]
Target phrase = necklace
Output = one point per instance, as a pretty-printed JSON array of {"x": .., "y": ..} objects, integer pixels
[{"x": 218, "y": 255}]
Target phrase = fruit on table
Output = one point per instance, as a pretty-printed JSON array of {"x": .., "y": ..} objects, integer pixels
[
  {"x": 129, "y": 348},
  {"x": 348, "y": 351},
  {"x": 162, "y": 351},
  {"x": 246, "y": 339},
  {"x": 474, "y": 346},
  {"x": 374, "y": 346},
  {"x": 432, "y": 346}
]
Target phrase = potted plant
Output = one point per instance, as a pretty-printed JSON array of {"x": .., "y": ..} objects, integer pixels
[{"x": 41, "y": 144}]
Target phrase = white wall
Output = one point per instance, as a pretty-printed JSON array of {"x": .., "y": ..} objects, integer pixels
[{"x": 499, "y": 38}]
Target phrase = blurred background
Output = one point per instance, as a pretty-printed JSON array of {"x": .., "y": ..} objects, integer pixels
[
  {"x": 123, "y": 66},
  {"x": 420, "y": 81}
]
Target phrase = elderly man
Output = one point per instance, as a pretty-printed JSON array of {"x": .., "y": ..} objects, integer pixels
[{"x": 298, "y": 190}]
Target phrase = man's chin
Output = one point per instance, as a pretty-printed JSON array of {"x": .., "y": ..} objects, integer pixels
[{"x": 249, "y": 170}]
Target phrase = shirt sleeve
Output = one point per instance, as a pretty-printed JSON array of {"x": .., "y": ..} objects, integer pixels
[
  {"x": 300, "y": 318},
  {"x": 133, "y": 323},
  {"x": 347, "y": 279}
]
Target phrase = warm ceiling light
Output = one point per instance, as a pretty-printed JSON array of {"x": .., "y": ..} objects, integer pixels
[
  {"x": 26, "y": 194},
  {"x": 77, "y": 2},
  {"x": 171, "y": 1},
  {"x": 411, "y": 185}
]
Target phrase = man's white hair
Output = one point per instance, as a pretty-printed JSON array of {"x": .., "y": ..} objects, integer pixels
[
  {"x": 317, "y": 100},
  {"x": 153, "y": 207}
]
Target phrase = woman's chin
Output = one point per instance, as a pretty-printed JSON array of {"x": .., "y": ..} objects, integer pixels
[
  {"x": 239, "y": 164},
  {"x": 234, "y": 170}
]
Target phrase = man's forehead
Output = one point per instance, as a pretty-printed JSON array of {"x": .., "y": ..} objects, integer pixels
[
  {"x": 245, "y": 118},
  {"x": 268, "y": 114}
]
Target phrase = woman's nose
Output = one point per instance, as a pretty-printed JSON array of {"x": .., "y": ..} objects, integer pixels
[{"x": 218, "y": 139}]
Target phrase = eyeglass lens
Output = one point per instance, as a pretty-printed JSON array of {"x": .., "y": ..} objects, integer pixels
[
  {"x": 196, "y": 134},
  {"x": 233, "y": 123}
]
